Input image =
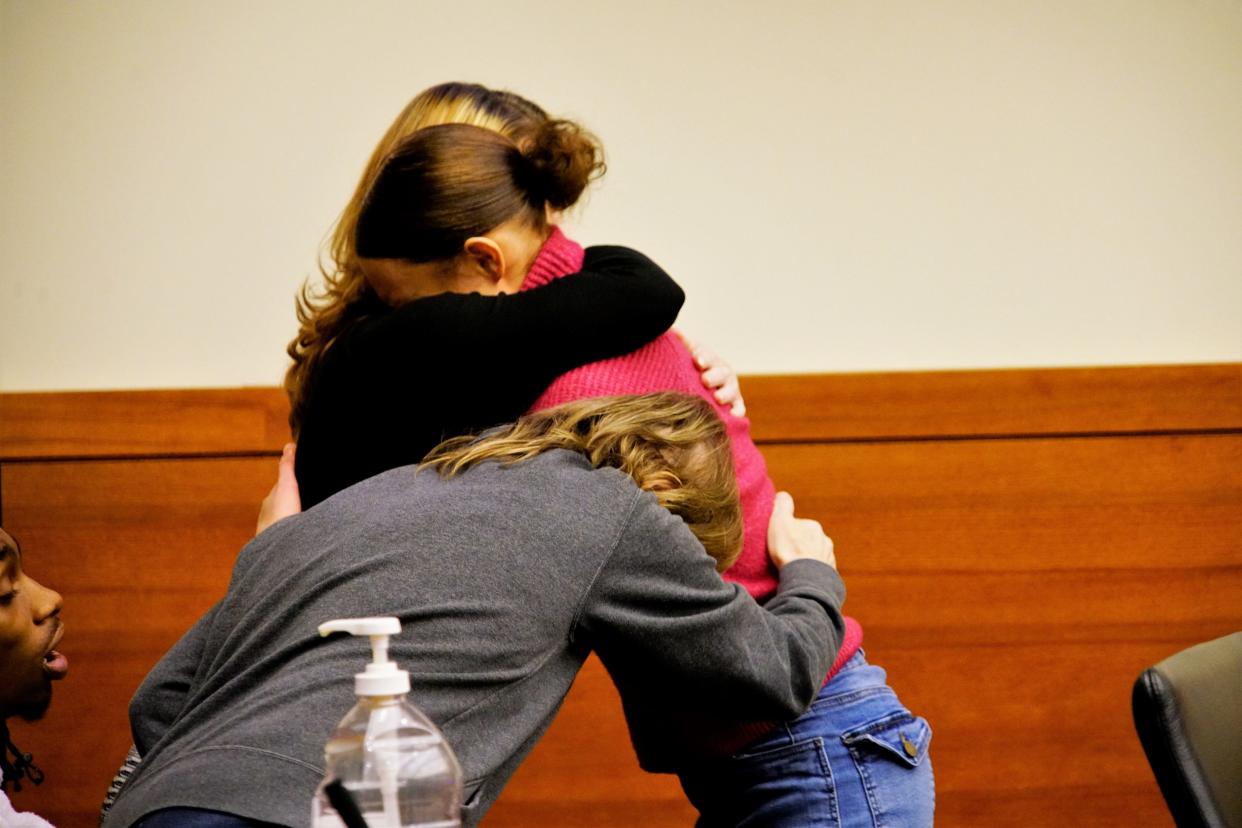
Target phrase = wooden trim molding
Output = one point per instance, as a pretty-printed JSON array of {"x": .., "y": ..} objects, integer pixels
[
  {"x": 997, "y": 403},
  {"x": 133, "y": 424},
  {"x": 784, "y": 408}
]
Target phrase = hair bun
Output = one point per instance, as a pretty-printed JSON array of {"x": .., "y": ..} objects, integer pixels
[{"x": 563, "y": 158}]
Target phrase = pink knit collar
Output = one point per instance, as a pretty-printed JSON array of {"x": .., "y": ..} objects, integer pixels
[{"x": 558, "y": 257}]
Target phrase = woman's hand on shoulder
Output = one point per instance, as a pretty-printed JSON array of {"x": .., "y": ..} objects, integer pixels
[
  {"x": 792, "y": 538},
  {"x": 718, "y": 376},
  {"x": 283, "y": 499}
]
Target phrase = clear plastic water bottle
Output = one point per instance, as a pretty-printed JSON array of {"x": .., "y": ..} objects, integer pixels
[{"x": 390, "y": 759}]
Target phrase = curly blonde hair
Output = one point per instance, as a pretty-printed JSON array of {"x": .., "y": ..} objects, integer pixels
[
  {"x": 673, "y": 445},
  {"x": 325, "y": 311}
]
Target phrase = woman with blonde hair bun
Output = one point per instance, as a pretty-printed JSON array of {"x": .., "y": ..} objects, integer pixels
[
  {"x": 379, "y": 379},
  {"x": 323, "y": 314}
]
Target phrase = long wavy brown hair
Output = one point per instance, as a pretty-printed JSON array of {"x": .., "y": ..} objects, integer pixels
[
  {"x": 673, "y": 445},
  {"x": 324, "y": 311}
]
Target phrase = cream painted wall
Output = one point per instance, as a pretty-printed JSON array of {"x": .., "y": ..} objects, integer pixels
[{"x": 838, "y": 185}]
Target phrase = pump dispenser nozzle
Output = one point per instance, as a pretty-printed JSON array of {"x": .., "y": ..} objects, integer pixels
[{"x": 381, "y": 678}]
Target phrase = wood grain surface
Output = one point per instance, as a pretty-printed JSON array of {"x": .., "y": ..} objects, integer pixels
[
  {"x": 1018, "y": 546},
  {"x": 139, "y": 549}
]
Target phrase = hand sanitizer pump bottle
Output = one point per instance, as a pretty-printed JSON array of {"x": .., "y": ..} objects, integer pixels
[{"x": 390, "y": 759}]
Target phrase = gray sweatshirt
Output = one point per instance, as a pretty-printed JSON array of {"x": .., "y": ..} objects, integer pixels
[{"x": 504, "y": 580}]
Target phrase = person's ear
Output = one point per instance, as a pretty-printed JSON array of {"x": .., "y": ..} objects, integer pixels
[{"x": 487, "y": 256}]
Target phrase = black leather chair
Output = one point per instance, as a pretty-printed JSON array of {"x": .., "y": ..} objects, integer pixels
[{"x": 1188, "y": 713}]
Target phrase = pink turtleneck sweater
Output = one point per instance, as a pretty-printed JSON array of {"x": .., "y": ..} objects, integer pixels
[{"x": 666, "y": 365}]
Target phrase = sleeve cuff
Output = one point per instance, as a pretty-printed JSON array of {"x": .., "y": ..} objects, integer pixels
[{"x": 815, "y": 575}]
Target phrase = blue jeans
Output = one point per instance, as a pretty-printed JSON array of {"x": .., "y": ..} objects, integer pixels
[
  {"x": 199, "y": 818},
  {"x": 856, "y": 759}
]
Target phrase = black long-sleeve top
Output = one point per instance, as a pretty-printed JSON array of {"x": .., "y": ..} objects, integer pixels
[{"x": 396, "y": 384}]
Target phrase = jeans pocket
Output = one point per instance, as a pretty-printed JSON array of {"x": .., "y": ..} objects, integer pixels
[
  {"x": 891, "y": 755},
  {"x": 789, "y": 786},
  {"x": 900, "y": 736}
]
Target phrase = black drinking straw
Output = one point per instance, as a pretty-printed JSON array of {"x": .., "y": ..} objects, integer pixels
[{"x": 344, "y": 804}]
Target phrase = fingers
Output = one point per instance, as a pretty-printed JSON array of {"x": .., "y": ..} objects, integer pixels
[
  {"x": 283, "y": 499},
  {"x": 286, "y": 488},
  {"x": 730, "y": 394},
  {"x": 718, "y": 377},
  {"x": 266, "y": 509},
  {"x": 707, "y": 360},
  {"x": 285, "y": 473},
  {"x": 791, "y": 538},
  {"x": 724, "y": 382},
  {"x": 783, "y": 506},
  {"x": 704, "y": 358},
  {"x": 779, "y": 526},
  {"x": 818, "y": 545}
]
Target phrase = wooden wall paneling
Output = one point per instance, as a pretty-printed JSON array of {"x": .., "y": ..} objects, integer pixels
[
  {"x": 1162, "y": 502},
  {"x": 138, "y": 549},
  {"x": 940, "y": 404},
  {"x": 142, "y": 423},
  {"x": 1012, "y": 573},
  {"x": 783, "y": 408},
  {"x": 1018, "y": 745},
  {"x": 583, "y": 771},
  {"x": 1014, "y": 589}
]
